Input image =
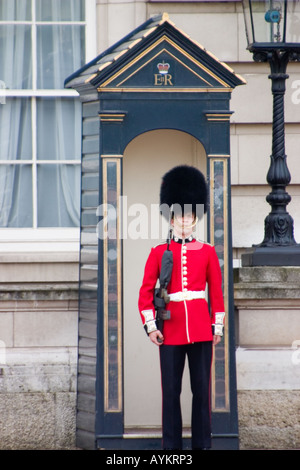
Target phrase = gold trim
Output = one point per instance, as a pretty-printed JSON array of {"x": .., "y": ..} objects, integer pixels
[
  {"x": 149, "y": 31},
  {"x": 134, "y": 43},
  {"x": 107, "y": 117},
  {"x": 216, "y": 156},
  {"x": 225, "y": 276},
  {"x": 219, "y": 120},
  {"x": 103, "y": 66},
  {"x": 200, "y": 46},
  {"x": 90, "y": 78},
  {"x": 196, "y": 62},
  {"x": 153, "y": 58},
  {"x": 111, "y": 120},
  {"x": 113, "y": 157},
  {"x": 218, "y": 117},
  {"x": 150, "y": 48},
  {"x": 165, "y": 17},
  {"x": 166, "y": 90},
  {"x": 119, "y": 293}
]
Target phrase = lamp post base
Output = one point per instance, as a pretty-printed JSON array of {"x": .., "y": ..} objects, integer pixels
[{"x": 272, "y": 256}]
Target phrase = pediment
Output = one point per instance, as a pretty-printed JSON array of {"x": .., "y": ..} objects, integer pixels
[
  {"x": 163, "y": 65},
  {"x": 156, "y": 57}
]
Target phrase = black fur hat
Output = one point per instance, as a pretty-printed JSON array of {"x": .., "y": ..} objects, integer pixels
[{"x": 185, "y": 188}]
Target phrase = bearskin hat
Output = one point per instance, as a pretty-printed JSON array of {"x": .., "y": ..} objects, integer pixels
[{"x": 185, "y": 188}]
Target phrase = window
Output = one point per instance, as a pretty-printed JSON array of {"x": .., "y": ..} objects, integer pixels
[{"x": 42, "y": 42}]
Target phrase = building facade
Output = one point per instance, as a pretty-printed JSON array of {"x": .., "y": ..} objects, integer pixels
[{"x": 42, "y": 43}]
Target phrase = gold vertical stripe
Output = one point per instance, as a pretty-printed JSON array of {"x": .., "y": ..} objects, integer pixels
[
  {"x": 225, "y": 275},
  {"x": 105, "y": 290},
  {"x": 107, "y": 407},
  {"x": 119, "y": 270}
]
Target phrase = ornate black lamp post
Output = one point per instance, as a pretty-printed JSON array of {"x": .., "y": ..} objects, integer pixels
[{"x": 272, "y": 29}]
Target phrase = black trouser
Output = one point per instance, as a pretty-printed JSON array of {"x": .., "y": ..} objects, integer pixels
[{"x": 172, "y": 359}]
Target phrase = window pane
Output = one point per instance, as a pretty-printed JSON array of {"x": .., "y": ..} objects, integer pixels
[
  {"x": 15, "y": 10},
  {"x": 58, "y": 129},
  {"x": 60, "y": 52},
  {"x": 15, "y": 129},
  {"x": 15, "y": 56},
  {"x": 58, "y": 195},
  {"x": 60, "y": 10},
  {"x": 16, "y": 196}
]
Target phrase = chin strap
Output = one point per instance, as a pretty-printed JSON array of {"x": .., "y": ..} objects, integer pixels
[
  {"x": 192, "y": 225},
  {"x": 218, "y": 326}
]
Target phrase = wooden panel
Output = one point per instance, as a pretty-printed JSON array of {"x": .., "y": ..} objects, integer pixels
[
  {"x": 85, "y": 421},
  {"x": 90, "y": 181},
  {"x": 87, "y": 326},
  {"x": 91, "y": 126},
  {"x": 87, "y": 366},
  {"x": 86, "y": 384},
  {"x": 219, "y": 238},
  {"x": 90, "y": 109},
  {"x": 90, "y": 144},
  {"x": 87, "y": 347},
  {"x": 90, "y": 163},
  {"x": 85, "y": 440},
  {"x": 89, "y": 217},
  {"x": 86, "y": 403},
  {"x": 112, "y": 290},
  {"x": 90, "y": 199}
]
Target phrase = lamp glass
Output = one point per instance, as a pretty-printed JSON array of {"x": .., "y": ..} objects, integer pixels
[{"x": 273, "y": 22}]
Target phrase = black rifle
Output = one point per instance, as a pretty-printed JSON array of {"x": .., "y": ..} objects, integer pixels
[{"x": 161, "y": 297}]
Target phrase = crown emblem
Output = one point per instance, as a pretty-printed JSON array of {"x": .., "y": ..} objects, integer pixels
[{"x": 163, "y": 67}]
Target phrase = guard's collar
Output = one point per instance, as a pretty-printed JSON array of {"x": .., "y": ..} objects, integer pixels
[{"x": 183, "y": 240}]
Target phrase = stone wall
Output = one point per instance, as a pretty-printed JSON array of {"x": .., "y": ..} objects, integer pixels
[
  {"x": 269, "y": 419},
  {"x": 38, "y": 352},
  {"x": 268, "y": 358}
]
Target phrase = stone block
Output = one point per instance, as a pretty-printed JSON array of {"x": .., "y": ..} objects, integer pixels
[
  {"x": 270, "y": 327},
  {"x": 268, "y": 356},
  {"x": 269, "y": 419},
  {"x": 48, "y": 328},
  {"x": 6, "y": 329},
  {"x": 268, "y": 368},
  {"x": 37, "y": 421}
]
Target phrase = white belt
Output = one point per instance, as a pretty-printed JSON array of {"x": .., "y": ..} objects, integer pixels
[{"x": 187, "y": 295}]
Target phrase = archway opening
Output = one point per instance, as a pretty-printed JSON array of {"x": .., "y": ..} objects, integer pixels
[{"x": 145, "y": 160}]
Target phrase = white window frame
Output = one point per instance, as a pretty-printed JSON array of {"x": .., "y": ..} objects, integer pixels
[{"x": 38, "y": 239}]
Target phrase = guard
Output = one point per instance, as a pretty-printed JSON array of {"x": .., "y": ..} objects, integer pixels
[{"x": 191, "y": 328}]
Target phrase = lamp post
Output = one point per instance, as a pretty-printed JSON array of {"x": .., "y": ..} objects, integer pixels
[{"x": 272, "y": 30}]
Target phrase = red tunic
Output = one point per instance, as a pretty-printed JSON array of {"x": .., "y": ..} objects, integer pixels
[{"x": 195, "y": 265}]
